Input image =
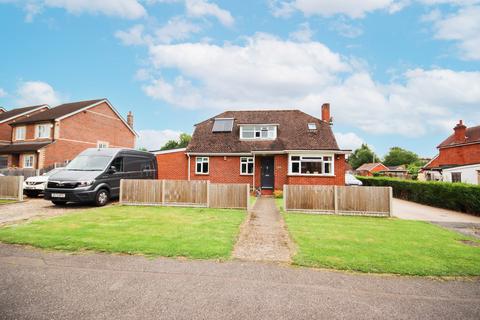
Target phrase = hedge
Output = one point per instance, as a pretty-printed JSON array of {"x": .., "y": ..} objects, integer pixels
[{"x": 454, "y": 196}]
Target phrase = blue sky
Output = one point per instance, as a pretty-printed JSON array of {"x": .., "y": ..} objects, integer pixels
[{"x": 396, "y": 73}]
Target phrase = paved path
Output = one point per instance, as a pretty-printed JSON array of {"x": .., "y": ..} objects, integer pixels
[
  {"x": 263, "y": 237},
  {"x": 36, "y": 284},
  {"x": 35, "y": 208}
]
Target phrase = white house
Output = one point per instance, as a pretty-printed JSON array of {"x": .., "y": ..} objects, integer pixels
[{"x": 466, "y": 174}]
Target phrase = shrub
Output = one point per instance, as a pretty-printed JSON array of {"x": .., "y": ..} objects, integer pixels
[
  {"x": 454, "y": 196},
  {"x": 278, "y": 194}
]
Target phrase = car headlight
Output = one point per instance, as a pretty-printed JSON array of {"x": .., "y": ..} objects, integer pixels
[{"x": 84, "y": 183}]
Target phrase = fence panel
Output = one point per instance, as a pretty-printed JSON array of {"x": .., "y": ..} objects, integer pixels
[
  {"x": 235, "y": 196},
  {"x": 372, "y": 200},
  {"x": 11, "y": 188},
  {"x": 183, "y": 192},
  {"x": 141, "y": 192},
  {"x": 308, "y": 197}
]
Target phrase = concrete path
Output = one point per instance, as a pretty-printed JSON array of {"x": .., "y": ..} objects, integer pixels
[
  {"x": 36, "y": 284},
  {"x": 457, "y": 221},
  {"x": 263, "y": 237},
  {"x": 33, "y": 208}
]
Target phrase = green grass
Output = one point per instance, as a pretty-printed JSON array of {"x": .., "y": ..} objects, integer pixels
[
  {"x": 155, "y": 231},
  {"x": 253, "y": 200},
  {"x": 380, "y": 245},
  {"x": 3, "y": 201}
]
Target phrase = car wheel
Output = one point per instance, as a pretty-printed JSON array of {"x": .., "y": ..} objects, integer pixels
[
  {"x": 59, "y": 203},
  {"x": 102, "y": 197},
  {"x": 32, "y": 194}
]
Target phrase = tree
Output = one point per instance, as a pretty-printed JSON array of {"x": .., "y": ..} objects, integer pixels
[
  {"x": 182, "y": 142},
  {"x": 398, "y": 156},
  {"x": 142, "y": 149},
  {"x": 362, "y": 155}
]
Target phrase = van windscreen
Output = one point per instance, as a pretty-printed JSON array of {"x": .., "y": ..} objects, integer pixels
[{"x": 89, "y": 163}]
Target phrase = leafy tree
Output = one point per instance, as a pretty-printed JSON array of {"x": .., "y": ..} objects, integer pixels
[
  {"x": 362, "y": 155},
  {"x": 398, "y": 156},
  {"x": 182, "y": 142},
  {"x": 142, "y": 149}
]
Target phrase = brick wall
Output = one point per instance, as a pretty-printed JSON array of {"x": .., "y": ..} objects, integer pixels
[
  {"x": 338, "y": 179},
  {"x": 467, "y": 154},
  {"x": 172, "y": 166},
  {"x": 222, "y": 170}
]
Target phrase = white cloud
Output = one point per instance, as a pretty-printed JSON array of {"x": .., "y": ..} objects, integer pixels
[
  {"x": 155, "y": 139},
  {"x": 463, "y": 27},
  {"x": 348, "y": 141},
  {"x": 267, "y": 72},
  {"x": 303, "y": 34},
  {"x": 3, "y": 93},
  {"x": 132, "y": 37},
  {"x": 36, "y": 92},
  {"x": 176, "y": 28},
  {"x": 201, "y": 8},
  {"x": 346, "y": 29}
]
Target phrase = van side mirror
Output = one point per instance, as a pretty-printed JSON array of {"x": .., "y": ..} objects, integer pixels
[{"x": 112, "y": 169}]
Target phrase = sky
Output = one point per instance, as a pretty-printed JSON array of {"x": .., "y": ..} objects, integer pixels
[{"x": 395, "y": 72}]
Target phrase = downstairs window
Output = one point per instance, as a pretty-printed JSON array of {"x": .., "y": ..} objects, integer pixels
[{"x": 311, "y": 165}]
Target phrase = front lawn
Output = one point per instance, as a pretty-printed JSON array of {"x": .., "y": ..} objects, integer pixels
[
  {"x": 381, "y": 245},
  {"x": 4, "y": 201},
  {"x": 155, "y": 231}
]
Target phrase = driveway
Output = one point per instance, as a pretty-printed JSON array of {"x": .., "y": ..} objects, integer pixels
[
  {"x": 36, "y": 284},
  {"x": 35, "y": 208},
  {"x": 458, "y": 221}
]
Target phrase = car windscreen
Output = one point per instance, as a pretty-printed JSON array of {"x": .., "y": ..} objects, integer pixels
[{"x": 89, "y": 163}]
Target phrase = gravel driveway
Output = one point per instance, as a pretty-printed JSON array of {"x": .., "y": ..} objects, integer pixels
[{"x": 35, "y": 208}]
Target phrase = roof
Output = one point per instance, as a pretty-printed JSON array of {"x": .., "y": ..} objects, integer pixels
[
  {"x": 59, "y": 111},
  {"x": 12, "y": 114},
  {"x": 472, "y": 135},
  {"x": 397, "y": 168},
  {"x": 292, "y": 133},
  {"x": 168, "y": 151},
  {"x": 370, "y": 166},
  {"x": 22, "y": 147}
]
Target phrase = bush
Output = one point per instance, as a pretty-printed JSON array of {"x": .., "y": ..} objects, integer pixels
[
  {"x": 454, "y": 196},
  {"x": 278, "y": 194}
]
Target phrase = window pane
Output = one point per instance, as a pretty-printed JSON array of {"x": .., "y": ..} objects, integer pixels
[
  {"x": 250, "y": 168},
  {"x": 295, "y": 158},
  {"x": 205, "y": 167},
  {"x": 295, "y": 167},
  {"x": 328, "y": 167},
  {"x": 199, "y": 167},
  {"x": 311, "y": 167}
]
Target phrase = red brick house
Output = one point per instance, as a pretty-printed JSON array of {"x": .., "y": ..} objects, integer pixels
[
  {"x": 56, "y": 135},
  {"x": 266, "y": 149},
  {"x": 458, "y": 159},
  {"x": 368, "y": 169}
]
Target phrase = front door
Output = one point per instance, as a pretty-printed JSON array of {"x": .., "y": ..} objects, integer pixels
[{"x": 267, "y": 172}]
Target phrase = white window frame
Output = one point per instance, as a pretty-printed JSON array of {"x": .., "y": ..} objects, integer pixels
[
  {"x": 24, "y": 131},
  {"x": 202, "y": 160},
  {"x": 27, "y": 156},
  {"x": 312, "y": 126},
  {"x": 244, "y": 162},
  {"x": 43, "y": 125},
  {"x": 102, "y": 144},
  {"x": 258, "y": 129},
  {"x": 321, "y": 158}
]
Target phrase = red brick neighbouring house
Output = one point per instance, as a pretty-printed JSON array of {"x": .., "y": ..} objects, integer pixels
[
  {"x": 58, "y": 134},
  {"x": 368, "y": 169},
  {"x": 461, "y": 149},
  {"x": 265, "y": 149}
]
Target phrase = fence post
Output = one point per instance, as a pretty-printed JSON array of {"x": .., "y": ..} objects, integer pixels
[
  {"x": 20, "y": 188},
  {"x": 163, "y": 192},
  {"x": 208, "y": 193},
  {"x": 335, "y": 199},
  {"x": 285, "y": 197},
  {"x": 390, "y": 201},
  {"x": 120, "y": 196},
  {"x": 248, "y": 196}
]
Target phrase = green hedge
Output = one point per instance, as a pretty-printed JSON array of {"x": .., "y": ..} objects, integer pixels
[{"x": 454, "y": 196}]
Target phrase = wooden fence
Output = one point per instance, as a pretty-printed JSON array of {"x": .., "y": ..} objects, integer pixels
[
  {"x": 371, "y": 201},
  {"x": 11, "y": 188},
  {"x": 184, "y": 193}
]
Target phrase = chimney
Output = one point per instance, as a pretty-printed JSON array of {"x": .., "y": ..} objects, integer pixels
[
  {"x": 460, "y": 132},
  {"x": 130, "y": 119},
  {"x": 326, "y": 113}
]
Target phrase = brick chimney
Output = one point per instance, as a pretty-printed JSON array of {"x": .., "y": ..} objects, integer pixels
[
  {"x": 460, "y": 132},
  {"x": 130, "y": 119},
  {"x": 326, "y": 113}
]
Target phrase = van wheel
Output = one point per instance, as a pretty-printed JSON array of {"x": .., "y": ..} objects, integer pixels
[
  {"x": 59, "y": 203},
  {"x": 102, "y": 198}
]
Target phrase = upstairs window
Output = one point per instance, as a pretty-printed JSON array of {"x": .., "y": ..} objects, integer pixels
[
  {"x": 311, "y": 165},
  {"x": 258, "y": 132},
  {"x": 20, "y": 133},
  {"x": 312, "y": 126},
  {"x": 246, "y": 165},
  {"x": 42, "y": 131},
  {"x": 201, "y": 165}
]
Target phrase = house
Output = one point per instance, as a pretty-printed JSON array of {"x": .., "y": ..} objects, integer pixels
[
  {"x": 368, "y": 169},
  {"x": 395, "y": 171},
  {"x": 55, "y": 135},
  {"x": 264, "y": 148},
  {"x": 458, "y": 159}
]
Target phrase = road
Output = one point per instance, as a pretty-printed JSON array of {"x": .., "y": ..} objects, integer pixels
[{"x": 36, "y": 284}]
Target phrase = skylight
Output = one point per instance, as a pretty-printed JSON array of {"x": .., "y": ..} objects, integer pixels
[
  {"x": 312, "y": 126},
  {"x": 223, "y": 125}
]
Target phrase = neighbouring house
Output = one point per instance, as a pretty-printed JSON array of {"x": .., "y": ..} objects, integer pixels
[
  {"x": 395, "y": 172},
  {"x": 56, "y": 135},
  {"x": 266, "y": 149},
  {"x": 458, "y": 159},
  {"x": 368, "y": 169}
]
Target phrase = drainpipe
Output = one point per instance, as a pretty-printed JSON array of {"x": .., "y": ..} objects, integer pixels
[
  {"x": 253, "y": 183},
  {"x": 188, "y": 169}
]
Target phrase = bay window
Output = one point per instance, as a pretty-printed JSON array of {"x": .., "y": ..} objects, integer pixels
[
  {"x": 252, "y": 132},
  {"x": 201, "y": 165},
  {"x": 246, "y": 165},
  {"x": 311, "y": 164}
]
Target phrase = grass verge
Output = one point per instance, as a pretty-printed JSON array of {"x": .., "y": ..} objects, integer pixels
[
  {"x": 380, "y": 245},
  {"x": 155, "y": 231},
  {"x": 4, "y": 201}
]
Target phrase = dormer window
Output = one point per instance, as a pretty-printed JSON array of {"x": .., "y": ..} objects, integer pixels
[
  {"x": 258, "y": 132},
  {"x": 312, "y": 126}
]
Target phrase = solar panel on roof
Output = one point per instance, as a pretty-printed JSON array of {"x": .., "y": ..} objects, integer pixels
[{"x": 223, "y": 125}]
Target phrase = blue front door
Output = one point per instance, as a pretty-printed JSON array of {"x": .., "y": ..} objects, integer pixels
[{"x": 267, "y": 177}]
